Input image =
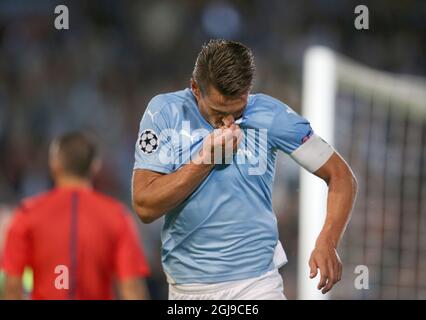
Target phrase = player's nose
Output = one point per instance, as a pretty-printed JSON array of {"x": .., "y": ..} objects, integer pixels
[{"x": 228, "y": 120}]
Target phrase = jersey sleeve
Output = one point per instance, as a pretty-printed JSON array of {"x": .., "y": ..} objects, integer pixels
[
  {"x": 130, "y": 259},
  {"x": 293, "y": 134},
  {"x": 17, "y": 245},
  {"x": 153, "y": 150}
]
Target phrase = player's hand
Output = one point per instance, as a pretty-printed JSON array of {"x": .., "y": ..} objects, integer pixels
[
  {"x": 325, "y": 258},
  {"x": 220, "y": 145}
]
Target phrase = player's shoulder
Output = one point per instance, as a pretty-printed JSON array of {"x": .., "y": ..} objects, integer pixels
[
  {"x": 265, "y": 101},
  {"x": 279, "y": 109},
  {"x": 164, "y": 102},
  {"x": 265, "y": 111}
]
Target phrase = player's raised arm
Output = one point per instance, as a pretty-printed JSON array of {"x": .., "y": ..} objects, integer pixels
[{"x": 155, "y": 193}]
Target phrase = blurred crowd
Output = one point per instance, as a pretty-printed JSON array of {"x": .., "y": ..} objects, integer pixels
[{"x": 100, "y": 74}]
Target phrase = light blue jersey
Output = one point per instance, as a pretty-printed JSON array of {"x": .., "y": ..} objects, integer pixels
[{"x": 226, "y": 229}]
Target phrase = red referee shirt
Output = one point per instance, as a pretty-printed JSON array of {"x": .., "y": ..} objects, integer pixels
[{"x": 89, "y": 233}]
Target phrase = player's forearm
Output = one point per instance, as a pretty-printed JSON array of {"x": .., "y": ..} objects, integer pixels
[
  {"x": 166, "y": 192},
  {"x": 342, "y": 189}
]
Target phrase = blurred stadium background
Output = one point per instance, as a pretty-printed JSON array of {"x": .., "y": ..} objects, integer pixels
[{"x": 100, "y": 74}]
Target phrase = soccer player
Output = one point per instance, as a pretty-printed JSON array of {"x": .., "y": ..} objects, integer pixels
[
  {"x": 220, "y": 238},
  {"x": 78, "y": 242}
]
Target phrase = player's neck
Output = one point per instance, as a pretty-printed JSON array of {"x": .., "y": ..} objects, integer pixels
[{"x": 72, "y": 182}]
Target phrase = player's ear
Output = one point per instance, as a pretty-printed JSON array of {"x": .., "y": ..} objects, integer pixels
[
  {"x": 96, "y": 167},
  {"x": 55, "y": 167},
  {"x": 54, "y": 162},
  {"x": 195, "y": 89}
]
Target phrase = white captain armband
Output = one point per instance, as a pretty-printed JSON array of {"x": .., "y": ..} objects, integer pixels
[{"x": 313, "y": 153}]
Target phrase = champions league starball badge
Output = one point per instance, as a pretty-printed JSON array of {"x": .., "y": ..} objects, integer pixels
[{"x": 148, "y": 141}]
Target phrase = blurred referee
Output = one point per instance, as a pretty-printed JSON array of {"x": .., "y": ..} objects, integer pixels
[{"x": 79, "y": 243}]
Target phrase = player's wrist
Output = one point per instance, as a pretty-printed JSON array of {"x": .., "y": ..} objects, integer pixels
[
  {"x": 203, "y": 160},
  {"x": 326, "y": 240}
]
